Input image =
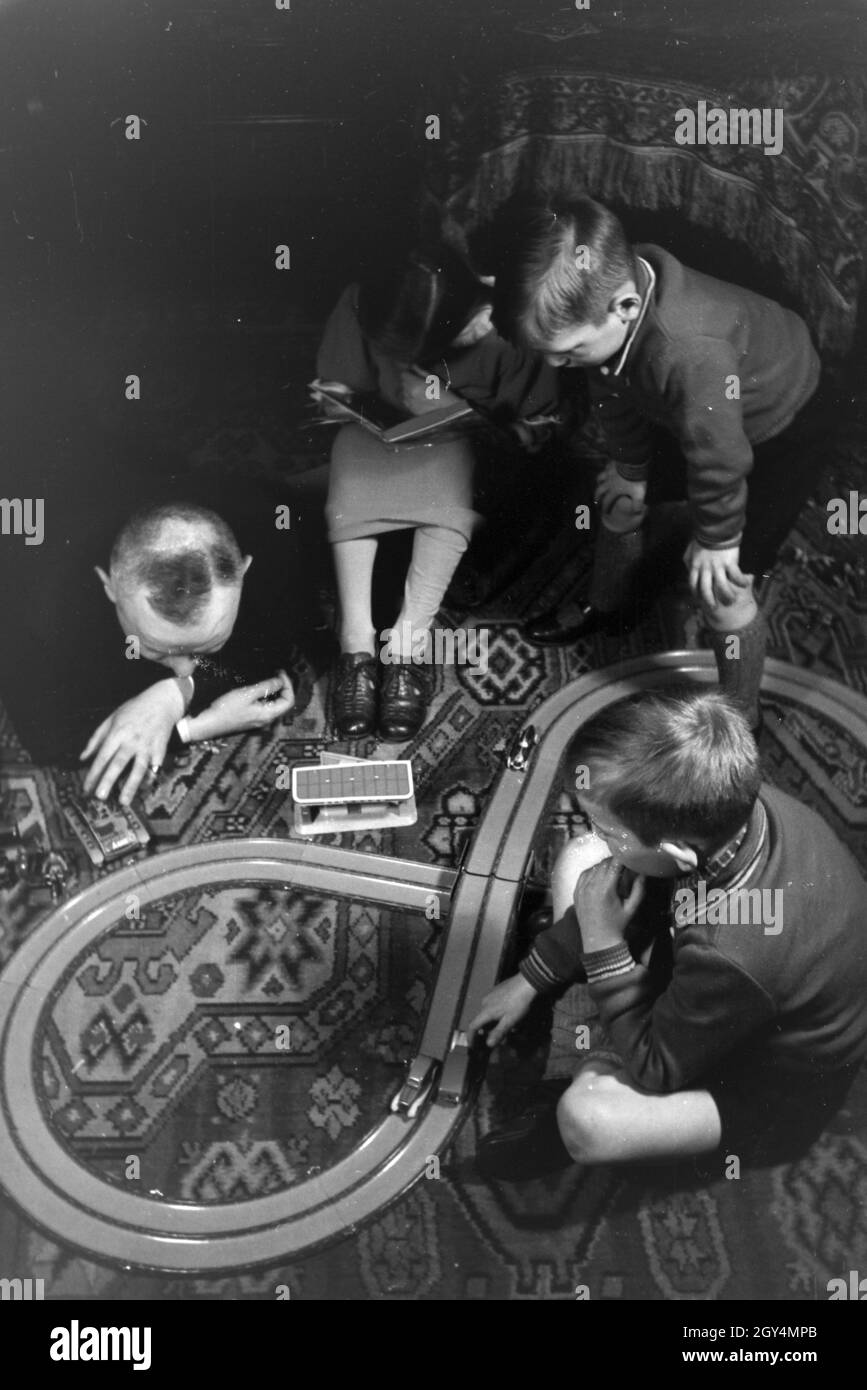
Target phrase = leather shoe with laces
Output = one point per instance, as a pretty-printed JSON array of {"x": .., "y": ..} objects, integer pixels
[
  {"x": 355, "y": 694},
  {"x": 529, "y": 1145},
  {"x": 558, "y": 627},
  {"x": 403, "y": 701}
]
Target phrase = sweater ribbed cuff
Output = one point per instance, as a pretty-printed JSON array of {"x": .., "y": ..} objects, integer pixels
[
  {"x": 538, "y": 974},
  {"x": 717, "y": 545},
  {"x": 603, "y": 965}
]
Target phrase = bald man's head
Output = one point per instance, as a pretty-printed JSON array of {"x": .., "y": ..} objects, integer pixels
[{"x": 175, "y": 578}]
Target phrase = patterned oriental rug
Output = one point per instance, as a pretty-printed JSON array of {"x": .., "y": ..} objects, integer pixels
[{"x": 154, "y": 1041}]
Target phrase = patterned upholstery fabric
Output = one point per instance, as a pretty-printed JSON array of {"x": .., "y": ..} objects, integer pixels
[{"x": 602, "y": 121}]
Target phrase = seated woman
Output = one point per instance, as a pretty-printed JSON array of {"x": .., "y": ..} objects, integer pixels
[{"x": 429, "y": 314}]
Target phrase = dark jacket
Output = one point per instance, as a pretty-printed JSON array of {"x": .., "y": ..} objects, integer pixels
[
  {"x": 793, "y": 997},
  {"x": 718, "y": 366}
]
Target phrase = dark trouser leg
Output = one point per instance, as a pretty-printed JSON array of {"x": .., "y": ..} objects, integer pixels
[
  {"x": 785, "y": 472},
  {"x": 620, "y": 547}
]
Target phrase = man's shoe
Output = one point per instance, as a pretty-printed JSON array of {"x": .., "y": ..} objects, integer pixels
[
  {"x": 550, "y": 630},
  {"x": 403, "y": 701},
  {"x": 356, "y": 688},
  {"x": 529, "y": 1146}
]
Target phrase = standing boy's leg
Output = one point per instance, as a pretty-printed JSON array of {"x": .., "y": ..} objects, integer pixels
[
  {"x": 739, "y": 639},
  {"x": 785, "y": 470},
  {"x": 618, "y": 555}
]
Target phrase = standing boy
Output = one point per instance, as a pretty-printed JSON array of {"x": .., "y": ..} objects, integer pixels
[{"x": 722, "y": 370}]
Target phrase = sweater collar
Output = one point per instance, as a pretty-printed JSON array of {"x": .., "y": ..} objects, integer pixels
[
  {"x": 729, "y": 867},
  {"x": 646, "y": 287}
]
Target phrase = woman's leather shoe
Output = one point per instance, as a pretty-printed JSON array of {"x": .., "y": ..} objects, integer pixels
[
  {"x": 403, "y": 701},
  {"x": 356, "y": 688}
]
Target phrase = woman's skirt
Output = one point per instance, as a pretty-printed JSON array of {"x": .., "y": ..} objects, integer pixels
[{"x": 376, "y": 487}]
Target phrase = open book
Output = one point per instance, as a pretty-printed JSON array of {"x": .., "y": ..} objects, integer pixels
[{"x": 387, "y": 422}]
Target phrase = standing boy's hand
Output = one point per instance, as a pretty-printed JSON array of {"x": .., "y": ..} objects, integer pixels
[
  {"x": 715, "y": 576},
  {"x": 602, "y": 916}
]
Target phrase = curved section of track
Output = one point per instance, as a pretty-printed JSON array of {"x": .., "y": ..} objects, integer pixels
[{"x": 76, "y": 1207}]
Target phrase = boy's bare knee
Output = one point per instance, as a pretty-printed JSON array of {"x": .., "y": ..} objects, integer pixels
[
  {"x": 576, "y": 856},
  {"x": 588, "y": 1125}
]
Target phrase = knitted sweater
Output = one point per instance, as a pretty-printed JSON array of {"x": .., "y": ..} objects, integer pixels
[
  {"x": 791, "y": 995},
  {"x": 718, "y": 366}
]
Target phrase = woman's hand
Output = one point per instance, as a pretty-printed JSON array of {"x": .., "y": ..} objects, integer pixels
[
  {"x": 715, "y": 576},
  {"x": 138, "y": 732},
  {"x": 504, "y": 1006},
  {"x": 412, "y": 392},
  {"x": 330, "y": 409},
  {"x": 602, "y": 916},
  {"x": 250, "y": 707}
]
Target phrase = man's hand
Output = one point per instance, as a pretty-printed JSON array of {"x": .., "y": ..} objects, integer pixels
[
  {"x": 611, "y": 489},
  {"x": 412, "y": 393},
  {"x": 249, "y": 707},
  {"x": 715, "y": 575},
  {"x": 504, "y": 1006},
  {"x": 138, "y": 733},
  {"x": 602, "y": 916}
]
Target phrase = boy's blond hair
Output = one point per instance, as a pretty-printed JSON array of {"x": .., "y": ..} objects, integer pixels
[{"x": 674, "y": 766}]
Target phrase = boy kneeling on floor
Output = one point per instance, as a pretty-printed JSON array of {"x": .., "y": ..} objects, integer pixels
[{"x": 741, "y": 1027}]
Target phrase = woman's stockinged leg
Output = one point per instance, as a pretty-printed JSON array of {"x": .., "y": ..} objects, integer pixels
[
  {"x": 353, "y": 565},
  {"x": 436, "y": 554}
]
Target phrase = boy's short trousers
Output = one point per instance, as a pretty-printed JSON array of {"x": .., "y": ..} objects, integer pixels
[{"x": 773, "y": 1116}]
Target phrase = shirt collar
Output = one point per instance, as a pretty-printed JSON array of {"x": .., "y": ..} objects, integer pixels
[
  {"x": 737, "y": 855},
  {"x": 647, "y": 295}
]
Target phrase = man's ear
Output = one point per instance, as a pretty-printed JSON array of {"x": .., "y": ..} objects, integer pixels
[
  {"x": 106, "y": 584},
  {"x": 684, "y": 856}
]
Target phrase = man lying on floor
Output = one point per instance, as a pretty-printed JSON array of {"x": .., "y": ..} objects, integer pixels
[
  {"x": 168, "y": 646},
  {"x": 734, "y": 997}
]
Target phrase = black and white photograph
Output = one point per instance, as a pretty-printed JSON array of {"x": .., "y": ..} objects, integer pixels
[{"x": 433, "y": 665}]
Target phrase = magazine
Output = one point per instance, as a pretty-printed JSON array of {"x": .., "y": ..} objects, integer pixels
[{"x": 388, "y": 422}]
